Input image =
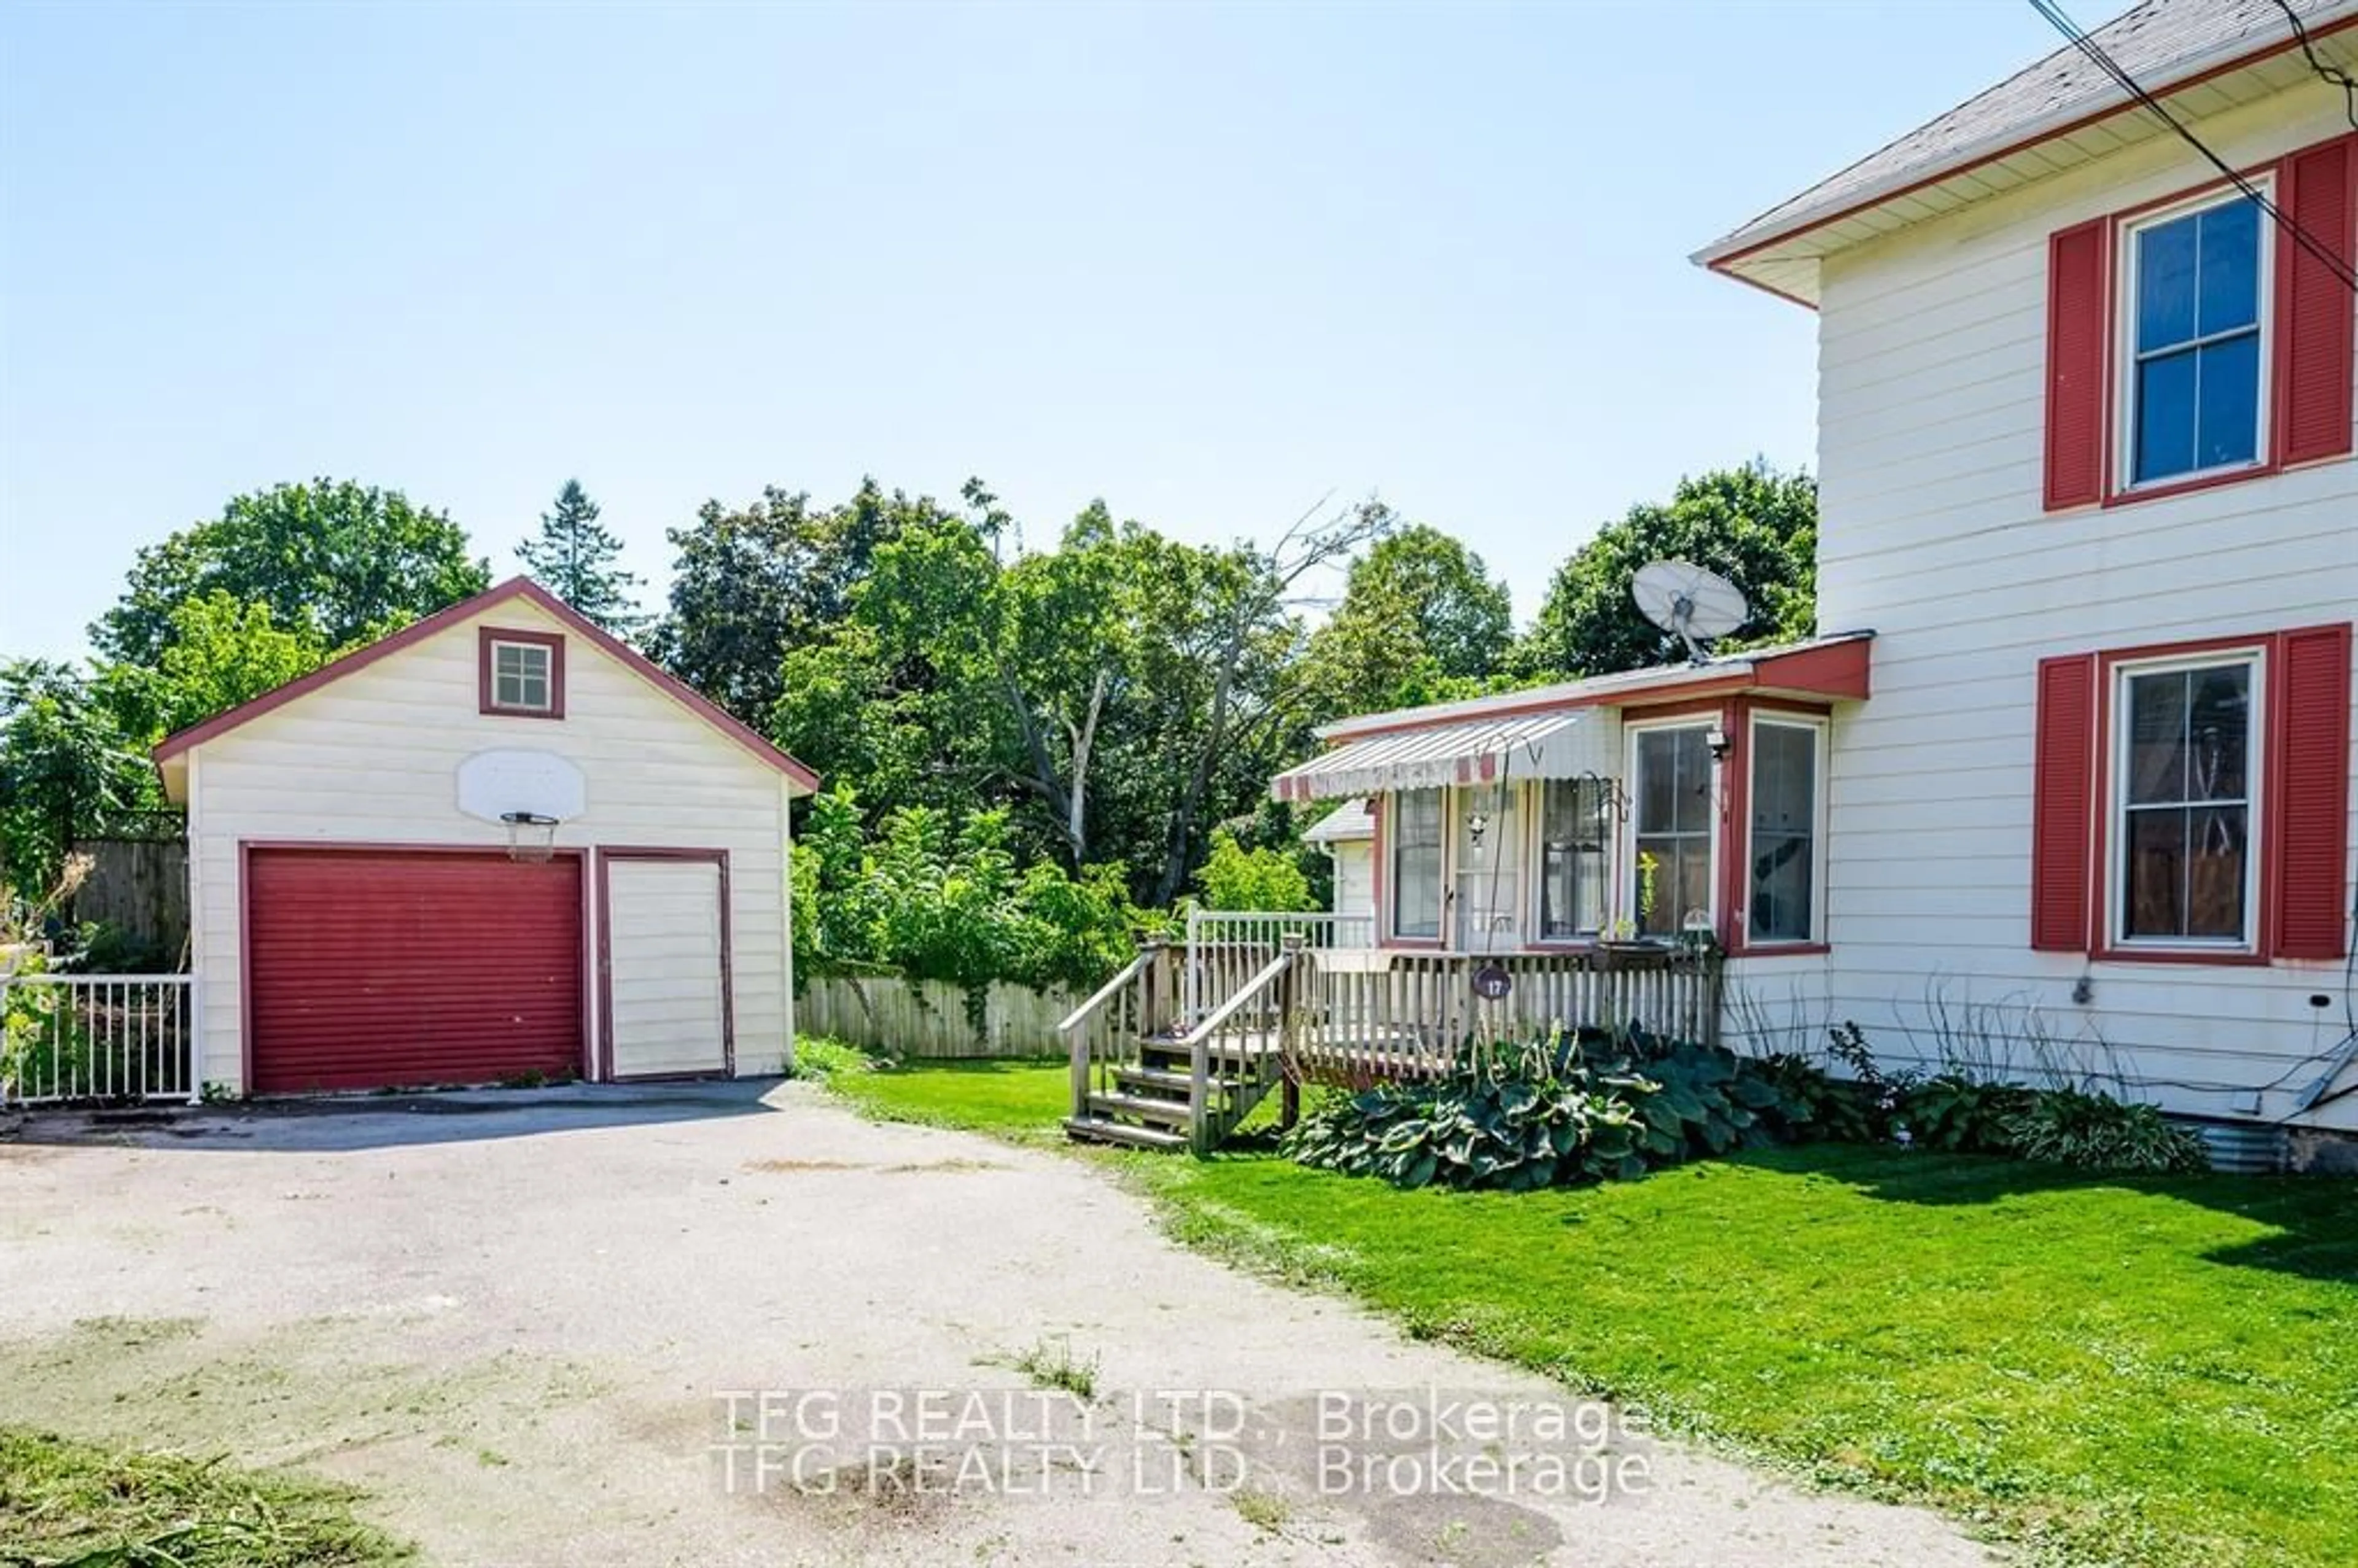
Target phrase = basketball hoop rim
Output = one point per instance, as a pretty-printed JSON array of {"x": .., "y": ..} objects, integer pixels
[{"x": 527, "y": 851}]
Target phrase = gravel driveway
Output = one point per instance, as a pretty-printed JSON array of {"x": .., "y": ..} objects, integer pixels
[{"x": 735, "y": 1323}]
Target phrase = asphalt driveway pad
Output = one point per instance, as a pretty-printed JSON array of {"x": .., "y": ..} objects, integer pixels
[{"x": 735, "y": 1323}]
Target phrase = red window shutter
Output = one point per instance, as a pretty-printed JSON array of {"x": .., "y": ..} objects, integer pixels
[
  {"x": 2311, "y": 791},
  {"x": 2313, "y": 324},
  {"x": 2076, "y": 260},
  {"x": 2062, "y": 808}
]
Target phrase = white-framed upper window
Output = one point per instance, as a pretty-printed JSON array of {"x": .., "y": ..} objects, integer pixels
[
  {"x": 2185, "y": 802},
  {"x": 2194, "y": 390},
  {"x": 1674, "y": 813},
  {"x": 1785, "y": 831},
  {"x": 523, "y": 677},
  {"x": 1574, "y": 849},
  {"x": 1413, "y": 877}
]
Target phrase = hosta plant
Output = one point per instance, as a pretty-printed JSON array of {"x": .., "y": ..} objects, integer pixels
[
  {"x": 1580, "y": 1108},
  {"x": 1962, "y": 1115},
  {"x": 2069, "y": 1127}
]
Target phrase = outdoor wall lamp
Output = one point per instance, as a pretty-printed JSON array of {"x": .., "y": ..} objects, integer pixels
[
  {"x": 1476, "y": 825},
  {"x": 1716, "y": 741}
]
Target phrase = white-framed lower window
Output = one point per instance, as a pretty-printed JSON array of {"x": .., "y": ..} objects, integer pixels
[
  {"x": 1785, "y": 831},
  {"x": 1576, "y": 845},
  {"x": 2193, "y": 349},
  {"x": 522, "y": 676},
  {"x": 2184, "y": 813},
  {"x": 1673, "y": 814},
  {"x": 1413, "y": 877}
]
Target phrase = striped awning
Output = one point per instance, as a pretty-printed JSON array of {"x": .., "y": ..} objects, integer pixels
[{"x": 1532, "y": 746}]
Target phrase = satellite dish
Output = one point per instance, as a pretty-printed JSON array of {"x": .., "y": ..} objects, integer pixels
[{"x": 1693, "y": 604}]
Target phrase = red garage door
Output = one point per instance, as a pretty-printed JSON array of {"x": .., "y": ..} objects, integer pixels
[{"x": 375, "y": 968}]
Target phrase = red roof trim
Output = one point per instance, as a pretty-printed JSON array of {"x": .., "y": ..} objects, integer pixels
[
  {"x": 443, "y": 620},
  {"x": 1726, "y": 264},
  {"x": 1835, "y": 671}
]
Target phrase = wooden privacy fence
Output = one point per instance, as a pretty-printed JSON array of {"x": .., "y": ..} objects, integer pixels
[
  {"x": 140, "y": 885},
  {"x": 932, "y": 1018}
]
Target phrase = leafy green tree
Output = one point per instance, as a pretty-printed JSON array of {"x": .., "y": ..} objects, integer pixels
[
  {"x": 346, "y": 559},
  {"x": 961, "y": 679},
  {"x": 1419, "y": 616},
  {"x": 1232, "y": 654},
  {"x": 574, "y": 557},
  {"x": 217, "y": 654},
  {"x": 1118, "y": 692},
  {"x": 1234, "y": 877},
  {"x": 1755, "y": 526},
  {"x": 66, "y": 766},
  {"x": 750, "y": 586}
]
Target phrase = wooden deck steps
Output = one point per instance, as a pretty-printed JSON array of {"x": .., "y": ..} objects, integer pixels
[
  {"x": 1104, "y": 1130},
  {"x": 1142, "y": 1103},
  {"x": 1150, "y": 1108}
]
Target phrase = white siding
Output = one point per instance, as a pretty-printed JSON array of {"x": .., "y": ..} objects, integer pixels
[
  {"x": 372, "y": 757},
  {"x": 1930, "y": 445},
  {"x": 1355, "y": 876}
]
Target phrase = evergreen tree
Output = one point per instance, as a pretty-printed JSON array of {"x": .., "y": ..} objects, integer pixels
[{"x": 574, "y": 559}]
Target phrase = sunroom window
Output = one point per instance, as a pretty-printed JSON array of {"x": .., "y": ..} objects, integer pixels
[
  {"x": 2183, "y": 807},
  {"x": 1784, "y": 838},
  {"x": 2194, "y": 392},
  {"x": 1672, "y": 873},
  {"x": 1416, "y": 869},
  {"x": 1574, "y": 830}
]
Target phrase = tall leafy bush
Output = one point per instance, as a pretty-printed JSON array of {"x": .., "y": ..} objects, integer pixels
[{"x": 941, "y": 897}]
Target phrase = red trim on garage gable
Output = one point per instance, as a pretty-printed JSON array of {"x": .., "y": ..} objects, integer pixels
[{"x": 531, "y": 592}]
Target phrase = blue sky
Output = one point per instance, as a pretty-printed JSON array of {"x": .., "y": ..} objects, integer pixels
[{"x": 1207, "y": 262}]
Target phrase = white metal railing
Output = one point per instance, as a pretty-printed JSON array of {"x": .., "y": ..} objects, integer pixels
[
  {"x": 1226, "y": 948},
  {"x": 97, "y": 1037}
]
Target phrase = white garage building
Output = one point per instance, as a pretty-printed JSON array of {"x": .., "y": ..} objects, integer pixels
[{"x": 497, "y": 845}]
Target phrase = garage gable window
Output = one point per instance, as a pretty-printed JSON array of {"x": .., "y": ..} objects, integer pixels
[{"x": 521, "y": 674}]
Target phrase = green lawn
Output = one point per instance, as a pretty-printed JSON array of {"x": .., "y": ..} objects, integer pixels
[
  {"x": 77, "y": 1504},
  {"x": 1019, "y": 1099},
  {"x": 2133, "y": 1371}
]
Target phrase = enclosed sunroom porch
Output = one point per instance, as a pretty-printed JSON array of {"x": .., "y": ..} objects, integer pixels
[{"x": 1588, "y": 853}]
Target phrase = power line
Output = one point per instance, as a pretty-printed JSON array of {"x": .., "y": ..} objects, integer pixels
[
  {"x": 2053, "y": 13},
  {"x": 2332, "y": 74}
]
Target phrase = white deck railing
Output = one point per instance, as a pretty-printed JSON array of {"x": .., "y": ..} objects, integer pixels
[
  {"x": 97, "y": 1037},
  {"x": 1226, "y": 948}
]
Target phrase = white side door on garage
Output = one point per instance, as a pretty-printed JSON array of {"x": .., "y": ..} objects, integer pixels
[{"x": 665, "y": 946}]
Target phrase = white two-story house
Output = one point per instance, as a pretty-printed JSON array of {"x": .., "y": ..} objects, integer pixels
[{"x": 2068, "y": 781}]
